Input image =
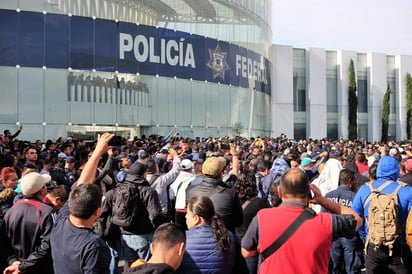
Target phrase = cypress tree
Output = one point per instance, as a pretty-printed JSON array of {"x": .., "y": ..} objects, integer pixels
[
  {"x": 353, "y": 104},
  {"x": 385, "y": 114}
]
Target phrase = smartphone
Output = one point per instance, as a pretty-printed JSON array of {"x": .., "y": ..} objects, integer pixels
[
  {"x": 225, "y": 146},
  {"x": 311, "y": 195},
  {"x": 116, "y": 141}
]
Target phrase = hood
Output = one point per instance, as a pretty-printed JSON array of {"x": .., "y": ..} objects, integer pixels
[
  {"x": 388, "y": 168},
  {"x": 137, "y": 179},
  {"x": 279, "y": 167}
]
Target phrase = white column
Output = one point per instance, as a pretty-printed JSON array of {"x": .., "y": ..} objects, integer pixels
[
  {"x": 282, "y": 90},
  {"x": 404, "y": 65},
  {"x": 316, "y": 102},
  {"x": 377, "y": 85}
]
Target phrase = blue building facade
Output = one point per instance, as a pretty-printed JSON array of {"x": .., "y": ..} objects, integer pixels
[{"x": 79, "y": 67}]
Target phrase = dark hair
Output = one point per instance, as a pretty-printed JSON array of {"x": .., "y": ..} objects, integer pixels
[
  {"x": 360, "y": 157},
  {"x": 372, "y": 170},
  {"x": 295, "y": 182},
  {"x": 246, "y": 186},
  {"x": 60, "y": 191},
  {"x": 274, "y": 198},
  {"x": 169, "y": 234},
  {"x": 203, "y": 207},
  {"x": 137, "y": 168},
  {"x": 291, "y": 157},
  {"x": 346, "y": 176},
  {"x": 85, "y": 200},
  {"x": 151, "y": 166},
  {"x": 262, "y": 165}
]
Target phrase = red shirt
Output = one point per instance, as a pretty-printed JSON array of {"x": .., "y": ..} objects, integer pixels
[
  {"x": 306, "y": 251},
  {"x": 362, "y": 168}
]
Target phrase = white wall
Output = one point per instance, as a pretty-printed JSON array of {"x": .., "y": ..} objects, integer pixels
[
  {"x": 377, "y": 85},
  {"x": 404, "y": 66},
  {"x": 282, "y": 90},
  {"x": 316, "y": 103}
]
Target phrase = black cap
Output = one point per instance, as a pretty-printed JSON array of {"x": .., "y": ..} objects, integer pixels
[{"x": 137, "y": 169}]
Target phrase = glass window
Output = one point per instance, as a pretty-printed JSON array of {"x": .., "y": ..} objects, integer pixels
[
  {"x": 331, "y": 82},
  {"x": 299, "y": 80},
  {"x": 55, "y": 96},
  {"x": 362, "y": 90},
  {"x": 362, "y": 83},
  {"x": 31, "y": 39},
  {"x": 81, "y": 42},
  {"x": 106, "y": 54},
  {"x": 299, "y": 131},
  {"x": 8, "y": 88},
  {"x": 57, "y": 40},
  {"x": 31, "y": 94},
  {"x": 8, "y": 32}
]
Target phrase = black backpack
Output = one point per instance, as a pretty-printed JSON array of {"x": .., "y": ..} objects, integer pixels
[{"x": 125, "y": 204}]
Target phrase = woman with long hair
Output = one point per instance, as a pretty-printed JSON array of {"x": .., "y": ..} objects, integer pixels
[
  {"x": 8, "y": 179},
  {"x": 210, "y": 247},
  {"x": 251, "y": 204}
]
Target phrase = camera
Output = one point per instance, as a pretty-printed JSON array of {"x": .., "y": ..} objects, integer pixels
[{"x": 116, "y": 141}]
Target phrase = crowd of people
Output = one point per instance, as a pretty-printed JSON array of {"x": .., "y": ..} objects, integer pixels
[{"x": 203, "y": 205}]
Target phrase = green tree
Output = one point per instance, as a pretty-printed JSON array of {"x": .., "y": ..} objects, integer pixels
[
  {"x": 385, "y": 114},
  {"x": 409, "y": 105},
  {"x": 353, "y": 104}
]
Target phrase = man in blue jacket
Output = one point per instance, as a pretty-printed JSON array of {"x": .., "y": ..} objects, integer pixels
[{"x": 379, "y": 259}]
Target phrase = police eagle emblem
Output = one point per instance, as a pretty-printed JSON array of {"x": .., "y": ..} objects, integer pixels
[{"x": 218, "y": 62}]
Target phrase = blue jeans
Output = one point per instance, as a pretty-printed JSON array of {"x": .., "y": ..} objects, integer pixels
[
  {"x": 348, "y": 252},
  {"x": 136, "y": 247},
  {"x": 252, "y": 264},
  {"x": 115, "y": 247}
]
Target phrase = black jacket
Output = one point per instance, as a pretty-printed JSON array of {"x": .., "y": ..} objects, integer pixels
[
  {"x": 28, "y": 231},
  {"x": 149, "y": 208},
  {"x": 224, "y": 198}
]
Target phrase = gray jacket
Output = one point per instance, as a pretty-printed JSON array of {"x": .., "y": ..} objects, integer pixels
[{"x": 161, "y": 184}]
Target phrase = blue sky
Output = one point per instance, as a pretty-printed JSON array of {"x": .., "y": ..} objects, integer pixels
[{"x": 359, "y": 25}]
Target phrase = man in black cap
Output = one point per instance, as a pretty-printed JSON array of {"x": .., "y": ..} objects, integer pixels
[{"x": 136, "y": 238}]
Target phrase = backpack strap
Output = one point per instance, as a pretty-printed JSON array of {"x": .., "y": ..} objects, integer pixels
[
  {"x": 379, "y": 189},
  {"x": 32, "y": 203},
  {"x": 306, "y": 214},
  {"x": 153, "y": 178}
]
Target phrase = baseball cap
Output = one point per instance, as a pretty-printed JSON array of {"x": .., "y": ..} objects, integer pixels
[
  {"x": 70, "y": 160},
  {"x": 213, "y": 166},
  {"x": 408, "y": 164},
  {"x": 186, "y": 164},
  {"x": 33, "y": 182},
  {"x": 307, "y": 161}
]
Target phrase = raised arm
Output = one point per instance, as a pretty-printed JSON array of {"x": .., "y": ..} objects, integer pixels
[
  {"x": 235, "y": 160},
  {"x": 89, "y": 172},
  {"x": 332, "y": 206}
]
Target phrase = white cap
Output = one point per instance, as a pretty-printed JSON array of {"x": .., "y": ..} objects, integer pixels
[
  {"x": 186, "y": 164},
  {"x": 33, "y": 182}
]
